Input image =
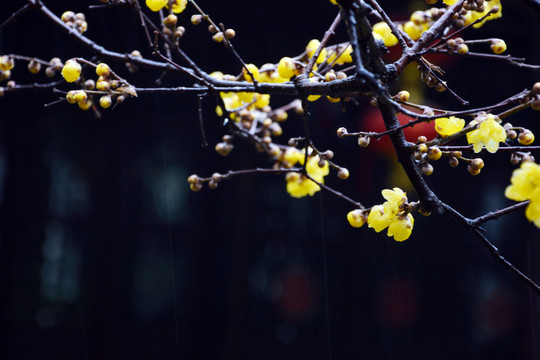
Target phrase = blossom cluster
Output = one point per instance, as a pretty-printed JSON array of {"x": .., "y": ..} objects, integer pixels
[
  {"x": 525, "y": 185},
  {"x": 392, "y": 214},
  {"x": 298, "y": 184},
  {"x": 420, "y": 21}
]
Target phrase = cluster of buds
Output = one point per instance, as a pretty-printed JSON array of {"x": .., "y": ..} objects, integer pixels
[
  {"x": 457, "y": 46},
  {"x": 474, "y": 5},
  {"x": 420, "y": 21},
  {"x": 520, "y": 157},
  {"x": 225, "y": 147},
  {"x": 196, "y": 182},
  {"x": 424, "y": 153},
  {"x": 7, "y": 63},
  {"x": 54, "y": 65},
  {"x": 477, "y": 10},
  {"x": 218, "y": 35},
  {"x": 108, "y": 85},
  {"x": 79, "y": 97},
  {"x": 421, "y": 155},
  {"x": 76, "y": 21},
  {"x": 363, "y": 138},
  {"x": 475, "y": 165},
  {"x": 523, "y": 135},
  {"x": 170, "y": 29}
]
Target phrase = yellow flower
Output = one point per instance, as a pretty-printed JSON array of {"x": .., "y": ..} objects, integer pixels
[
  {"x": 449, "y": 126},
  {"x": 178, "y": 6},
  {"x": 413, "y": 30},
  {"x": 299, "y": 185},
  {"x": 401, "y": 227},
  {"x": 392, "y": 215},
  {"x": 253, "y": 70},
  {"x": 449, "y": 2},
  {"x": 378, "y": 219},
  {"x": 385, "y": 32},
  {"x": 533, "y": 212},
  {"x": 395, "y": 198},
  {"x": 489, "y": 133},
  {"x": 345, "y": 56},
  {"x": 71, "y": 70},
  {"x": 525, "y": 185},
  {"x": 312, "y": 46},
  {"x": 286, "y": 68},
  {"x": 156, "y": 5}
]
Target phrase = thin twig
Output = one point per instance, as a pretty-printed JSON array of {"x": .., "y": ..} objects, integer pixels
[{"x": 15, "y": 15}]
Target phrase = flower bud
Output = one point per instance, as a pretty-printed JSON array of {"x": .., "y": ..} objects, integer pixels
[
  {"x": 526, "y": 137},
  {"x": 363, "y": 141},
  {"x": 343, "y": 173},
  {"x": 196, "y": 19}
]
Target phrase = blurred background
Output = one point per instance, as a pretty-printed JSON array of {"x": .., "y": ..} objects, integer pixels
[{"x": 105, "y": 253}]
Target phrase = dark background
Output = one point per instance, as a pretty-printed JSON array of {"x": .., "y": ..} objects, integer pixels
[{"x": 106, "y": 254}]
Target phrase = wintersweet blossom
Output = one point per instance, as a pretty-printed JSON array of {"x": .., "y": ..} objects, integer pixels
[
  {"x": 525, "y": 185},
  {"x": 299, "y": 185},
  {"x": 392, "y": 215},
  {"x": 401, "y": 227},
  {"x": 489, "y": 133},
  {"x": 378, "y": 218},
  {"x": 449, "y": 126},
  {"x": 383, "y": 30},
  {"x": 177, "y": 7},
  {"x": 156, "y": 5}
]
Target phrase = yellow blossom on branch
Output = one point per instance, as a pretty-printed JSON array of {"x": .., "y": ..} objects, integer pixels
[
  {"x": 177, "y": 7},
  {"x": 156, "y": 5},
  {"x": 299, "y": 185},
  {"x": 401, "y": 227},
  {"x": 382, "y": 31},
  {"x": 525, "y": 185},
  {"x": 392, "y": 214},
  {"x": 449, "y": 126},
  {"x": 489, "y": 133}
]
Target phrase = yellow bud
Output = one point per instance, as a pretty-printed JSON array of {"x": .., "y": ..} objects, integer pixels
[
  {"x": 526, "y": 137},
  {"x": 105, "y": 101},
  {"x": 103, "y": 69},
  {"x": 71, "y": 70},
  {"x": 403, "y": 95},
  {"x": 356, "y": 218},
  {"x": 498, "y": 46}
]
